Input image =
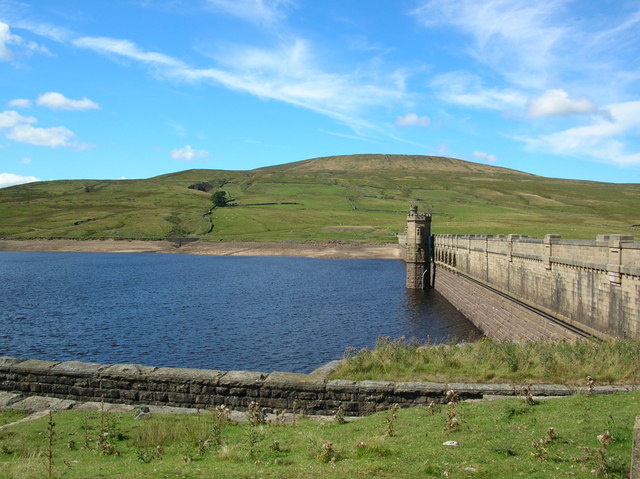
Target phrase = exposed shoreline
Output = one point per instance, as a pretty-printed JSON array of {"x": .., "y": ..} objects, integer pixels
[{"x": 329, "y": 251}]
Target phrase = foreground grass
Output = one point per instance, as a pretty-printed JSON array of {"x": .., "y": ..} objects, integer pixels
[
  {"x": 496, "y": 440},
  {"x": 7, "y": 417},
  {"x": 495, "y": 361}
]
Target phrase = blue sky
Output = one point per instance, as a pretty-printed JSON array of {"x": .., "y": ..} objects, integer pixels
[{"x": 138, "y": 88}]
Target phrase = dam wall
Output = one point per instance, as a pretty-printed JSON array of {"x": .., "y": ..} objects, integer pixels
[{"x": 516, "y": 287}]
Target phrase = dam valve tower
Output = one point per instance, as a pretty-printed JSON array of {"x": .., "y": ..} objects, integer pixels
[{"x": 419, "y": 249}]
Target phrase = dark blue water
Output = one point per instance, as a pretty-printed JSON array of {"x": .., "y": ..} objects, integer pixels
[{"x": 254, "y": 313}]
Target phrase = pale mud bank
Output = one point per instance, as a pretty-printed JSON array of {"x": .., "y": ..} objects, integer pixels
[{"x": 334, "y": 251}]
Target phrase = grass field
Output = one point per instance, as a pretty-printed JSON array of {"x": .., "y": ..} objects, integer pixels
[
  {"x": 361, "y": 198},
  {"x": 563, "y": 362},
  {"x": 496, "y": 439}
]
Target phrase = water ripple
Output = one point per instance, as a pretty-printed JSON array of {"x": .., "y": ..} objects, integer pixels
[{"x": 266, "y": 314}]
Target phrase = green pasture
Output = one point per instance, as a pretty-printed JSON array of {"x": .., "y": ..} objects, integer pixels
[
  {"x": 496, "y": 439},
  {"x": 359, "y": 198}
]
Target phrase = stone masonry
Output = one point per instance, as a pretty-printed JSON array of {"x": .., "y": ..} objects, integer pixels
[
  {"x": 200, "y": 388},
  {"x": 517, "y": 287}
]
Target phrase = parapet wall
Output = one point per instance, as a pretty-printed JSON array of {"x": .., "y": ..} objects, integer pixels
[
  {"x": 590, "y": 287},
  {"x": 201, "y": 388}
]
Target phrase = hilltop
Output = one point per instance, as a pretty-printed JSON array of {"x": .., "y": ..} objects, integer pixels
[{"x": 359, "y": 198}]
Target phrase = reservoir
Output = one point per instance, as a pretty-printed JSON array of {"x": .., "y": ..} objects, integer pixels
[{"x": 212, "y": 312}]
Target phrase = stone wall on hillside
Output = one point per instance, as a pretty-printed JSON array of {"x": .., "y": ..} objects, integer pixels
[{"x": 517, "y": 287}]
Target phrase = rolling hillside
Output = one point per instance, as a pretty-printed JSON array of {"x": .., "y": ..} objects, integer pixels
[{"x": 361, "y": 198}]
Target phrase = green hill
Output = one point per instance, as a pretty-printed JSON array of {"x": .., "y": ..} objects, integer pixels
[{"x": 342, "y": 198}]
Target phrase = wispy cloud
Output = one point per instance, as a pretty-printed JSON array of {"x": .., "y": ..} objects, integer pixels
[
  {"x": 412, "y": 119},
  {"x": 287, "y": 73},
  {"x": 488, "y": 157},
  {"x": 466, "y": 89},
  {"x": 187, "y": 153},
  {"x": 266, "y": 12},
  {"x": 515, "y": 37},
  {"x": 127, "y": 49},
  {"x": 9, "y": 179},
  {"x": 10, "y": 42},
  {"x": 530, "y": 43},
  {"x": 604, "y": 140},
  {"x": 57, "y": 101},
  {"x": 20, "y": 103}
]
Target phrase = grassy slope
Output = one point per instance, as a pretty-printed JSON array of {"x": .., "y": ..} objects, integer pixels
[
  {"x": 613, "y": 362},
  {"x": 495, "y": 440},
  {"x": 352, "y": 198}
]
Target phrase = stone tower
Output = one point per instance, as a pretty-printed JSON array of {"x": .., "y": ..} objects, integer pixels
[{"x": 417, "y": 250}]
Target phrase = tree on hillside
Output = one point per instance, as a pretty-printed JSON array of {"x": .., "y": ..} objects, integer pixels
[{"x": 219, "y": 198}]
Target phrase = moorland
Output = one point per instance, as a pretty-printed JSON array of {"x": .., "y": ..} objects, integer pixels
[{"x": 357, "y": 198}]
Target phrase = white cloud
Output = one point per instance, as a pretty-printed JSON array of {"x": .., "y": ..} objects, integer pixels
[
  {"x": 466, "y": 89},
  {"x": 266, "y": 12},
  {"x": 557, "y": 102},
  {"x": 9, "y": 179},
  {"x": 26, "y": 160},
  {"x": 412, "y": 119},
  {"x": 11, "y": 118},
  {"x": 187, "y": 153},
  {"x": 51, "y": 137},
  {"x": 57, "y": 101},
  {"x": 488, "y": 157},
  {"x": 605, "y": 140},
  {"x": 20, "y": 130},
  {"x": 25, "y": 47},
  {"x": 20, "y": 103}
]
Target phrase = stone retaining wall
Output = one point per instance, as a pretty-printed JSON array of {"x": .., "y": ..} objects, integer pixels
[{"x": 200, "y": 388}]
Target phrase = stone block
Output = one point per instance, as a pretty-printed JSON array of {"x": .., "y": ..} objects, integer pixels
[
  {"x": 40, "y": 403},
  {"x": 7, "y": 362},
  {"x": 7, "y": 399},
  {"x": 127, "y": 371},
  {"x": 179, "y": 375},
  {"x": 33, "y": 366},
  {"x": 369, "y": 387},
  {"x": 294, "y": 381},
  {"x": 77, "y": 368},
  {"x": 419, "y": 388},
  {"x": 341, "y": 386},
  {"x": 242, "y": 378}
]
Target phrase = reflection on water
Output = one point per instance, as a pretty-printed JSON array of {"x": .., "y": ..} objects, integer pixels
[
  {"x": 430, "y": 306},
  {"x": 262, "y": 313}
]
